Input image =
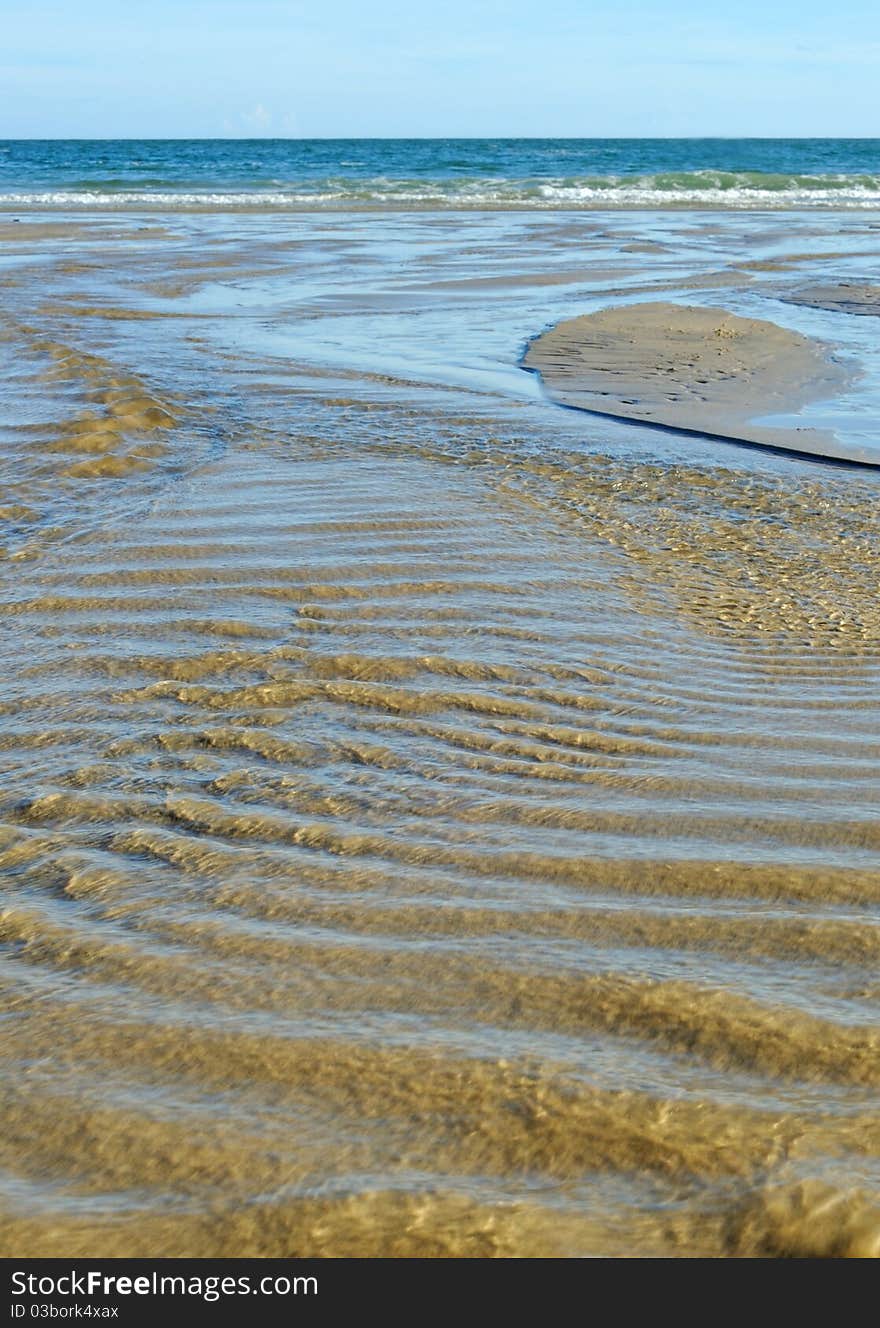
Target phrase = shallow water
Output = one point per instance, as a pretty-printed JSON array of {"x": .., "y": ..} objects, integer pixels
[{"x": 432, "y": 822}]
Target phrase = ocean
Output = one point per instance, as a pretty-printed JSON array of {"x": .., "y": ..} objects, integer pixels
[{"x": 455, "y": 173}]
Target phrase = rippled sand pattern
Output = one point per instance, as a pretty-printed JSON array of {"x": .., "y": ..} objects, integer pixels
[
  {"x": 70, "y": 417},
  {"x": 416, "y": 847}
]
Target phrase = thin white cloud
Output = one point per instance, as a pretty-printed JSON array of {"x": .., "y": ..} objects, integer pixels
[{"x": 259, "y": 120}]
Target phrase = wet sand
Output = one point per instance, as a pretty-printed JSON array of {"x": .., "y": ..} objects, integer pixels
[
  {"x": 432, "y": 823},
  {"x": 843, "y": 297},
  {"x": 703, "y": 370}
]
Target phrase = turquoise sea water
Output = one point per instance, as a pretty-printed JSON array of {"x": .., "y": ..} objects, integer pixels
[{"x": 728, "y": 173}]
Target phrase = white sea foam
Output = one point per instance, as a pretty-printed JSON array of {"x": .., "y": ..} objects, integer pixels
[{"x": 702, "y": 189}]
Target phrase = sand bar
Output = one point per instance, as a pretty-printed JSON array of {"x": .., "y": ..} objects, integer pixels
[
  {"x": 701, "y": 370},
  {"x": 844, "y": 297}
]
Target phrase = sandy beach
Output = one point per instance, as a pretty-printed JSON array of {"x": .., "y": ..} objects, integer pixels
[
  {"x": 434, "y": 822},
  {"x": 847, "y": 297},
  {"x": 700, "y": 370}
]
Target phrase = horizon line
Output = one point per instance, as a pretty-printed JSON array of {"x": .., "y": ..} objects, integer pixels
[{"x": 440, "y": 138}]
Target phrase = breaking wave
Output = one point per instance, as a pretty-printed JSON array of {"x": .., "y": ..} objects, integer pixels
[{"x": 702, "y": 188}]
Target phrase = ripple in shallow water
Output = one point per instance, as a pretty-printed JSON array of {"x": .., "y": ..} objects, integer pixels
[{"x": 417, "y": 845}]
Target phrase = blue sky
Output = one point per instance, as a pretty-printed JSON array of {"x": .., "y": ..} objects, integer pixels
[{"x": 217, "y": 68}]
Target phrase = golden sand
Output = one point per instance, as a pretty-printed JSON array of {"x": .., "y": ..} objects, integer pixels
[
  {"x": 416, "y": 846},
  {"x": 687, "y": 367}
]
